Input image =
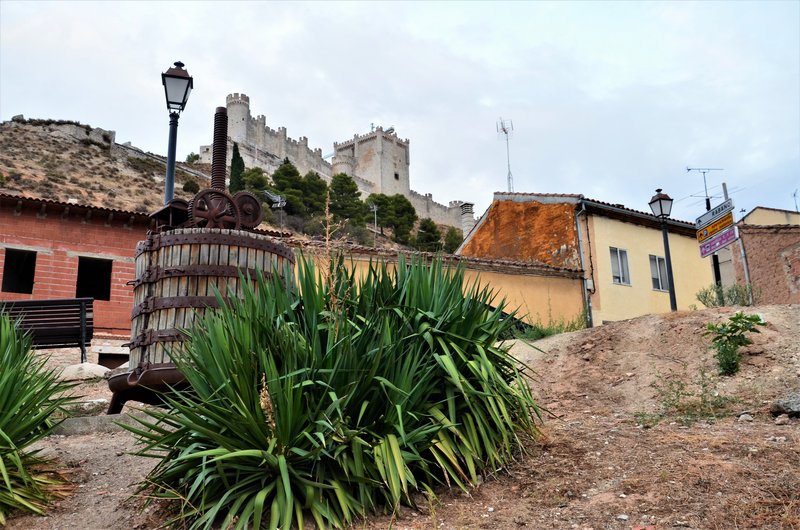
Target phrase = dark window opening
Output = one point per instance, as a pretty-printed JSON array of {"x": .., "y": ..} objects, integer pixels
[
  {"x": 397, "y": 176},
  {"x": 18, "y": 271},
  {"x": 94, "y": 278}
]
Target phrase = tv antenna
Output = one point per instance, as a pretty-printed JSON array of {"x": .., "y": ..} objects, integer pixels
[
  {"x": 506, "y": 127},
  {"x": 795, "y": 200},
  {"x": 705, "y": 170}
]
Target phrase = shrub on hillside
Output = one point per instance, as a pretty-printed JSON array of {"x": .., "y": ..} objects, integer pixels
[{"x": 335, "y": 395}]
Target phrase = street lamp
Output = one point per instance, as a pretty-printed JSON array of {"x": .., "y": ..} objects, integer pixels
[
  {"x": 177, "y": 86},
  {"x": 661, "y": 204}
]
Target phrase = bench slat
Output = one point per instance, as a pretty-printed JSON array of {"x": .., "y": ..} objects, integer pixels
[{"x": 54, "y": 323}]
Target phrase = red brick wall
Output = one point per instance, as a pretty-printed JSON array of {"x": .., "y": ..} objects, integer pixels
[
  {"x": 59, "y": 241},
  {"x": 773, "y": 259}
]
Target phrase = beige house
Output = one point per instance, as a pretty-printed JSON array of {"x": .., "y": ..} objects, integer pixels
[{"x": 619, "y": 250}]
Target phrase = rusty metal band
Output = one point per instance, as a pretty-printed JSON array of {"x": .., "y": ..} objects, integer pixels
[
  {"x": 155, "y": 274},
  {"x": 156, "y": 241},
  {"x": 174, "y": 302},
  {"x": 151, "y": 336}
]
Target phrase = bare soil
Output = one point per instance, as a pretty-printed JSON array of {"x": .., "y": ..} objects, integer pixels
[{"x": 597, "y": 464}]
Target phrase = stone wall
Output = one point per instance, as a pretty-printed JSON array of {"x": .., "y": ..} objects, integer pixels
[{"x": 439, "y": 213}]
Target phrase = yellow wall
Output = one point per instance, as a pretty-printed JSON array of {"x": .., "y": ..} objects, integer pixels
[
  {"x": 766, "y": 216},
  {"x": 537, "y": 299},
  {"x": 617, "y": 302}
]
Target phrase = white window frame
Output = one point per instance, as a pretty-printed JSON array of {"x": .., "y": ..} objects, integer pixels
[
  {"x": 658, "y": 273},
  {"x": 620, "y": 271}
]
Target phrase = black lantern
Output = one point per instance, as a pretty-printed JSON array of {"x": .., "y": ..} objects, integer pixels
[
  {"x": 661, "y": 204},
  {"x": 177, "y": 86}
]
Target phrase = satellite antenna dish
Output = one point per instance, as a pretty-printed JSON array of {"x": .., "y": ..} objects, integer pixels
[{"x": 506, "y": 128}]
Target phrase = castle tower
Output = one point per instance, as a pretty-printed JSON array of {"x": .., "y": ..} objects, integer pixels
[
  {"x": 467, "y": 217},
  {"x": 379, "y": 157},
  {"x": 238, "y": 117}
]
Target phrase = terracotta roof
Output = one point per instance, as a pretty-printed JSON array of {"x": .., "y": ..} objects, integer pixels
[
  {"x": 495, "y": 265},
  {"x": 140, "y": 216}
]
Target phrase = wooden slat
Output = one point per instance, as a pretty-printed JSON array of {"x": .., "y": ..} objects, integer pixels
[{"x": 54, "y": 323}]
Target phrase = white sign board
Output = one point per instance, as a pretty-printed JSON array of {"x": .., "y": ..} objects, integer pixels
[{"x": 714, "y": 213}]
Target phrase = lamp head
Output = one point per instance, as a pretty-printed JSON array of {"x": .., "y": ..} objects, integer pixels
[
  {"x": 177, "y": 86},
  {"x": 661, "y": 204}
]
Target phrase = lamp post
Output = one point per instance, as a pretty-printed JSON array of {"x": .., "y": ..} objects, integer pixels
[
  {"x": 177, "y": 86},
  {"x": 661, "y": 204}
]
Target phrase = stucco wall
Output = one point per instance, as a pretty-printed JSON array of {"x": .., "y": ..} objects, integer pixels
[
  {"x": 617, "y": 302},
  {"x": 527, "y": 231},
  {"x": 770, "y": 216},
  {"x": 59, "y": 241},
  {"x": 536, "y": 298}
]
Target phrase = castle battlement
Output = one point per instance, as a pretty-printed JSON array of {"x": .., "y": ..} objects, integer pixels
[
  {"x": 391, "y": 136},
  {"x": 235, "y": 98},
  {"x": 377, "y": 161}
]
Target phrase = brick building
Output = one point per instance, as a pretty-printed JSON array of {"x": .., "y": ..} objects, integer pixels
[
  {"x": 767, "y": 255},
  {"x": 51, "y": 249}
]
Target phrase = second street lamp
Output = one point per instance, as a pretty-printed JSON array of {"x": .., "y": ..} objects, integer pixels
[
  {"x": 661, "y": 205},
  {"x": 177, "y": 87}
]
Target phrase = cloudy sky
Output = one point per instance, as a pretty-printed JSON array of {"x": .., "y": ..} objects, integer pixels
[{"x": 611, "y": 100}]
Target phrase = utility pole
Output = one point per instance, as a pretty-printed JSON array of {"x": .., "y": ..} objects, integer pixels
[
  {"x": 714, "y": 257},
  {"x": 506, "y": 127},
  {"x": 374, "y": 209}
]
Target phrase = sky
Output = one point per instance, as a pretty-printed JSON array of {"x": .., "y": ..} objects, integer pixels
[{"x": 607, "y": 99}]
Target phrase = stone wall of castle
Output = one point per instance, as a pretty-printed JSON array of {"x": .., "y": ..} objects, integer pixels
[{"x": 377, "y": 161}]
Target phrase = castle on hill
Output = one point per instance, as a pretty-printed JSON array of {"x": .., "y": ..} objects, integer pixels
[{"x": 377, "y": 161}]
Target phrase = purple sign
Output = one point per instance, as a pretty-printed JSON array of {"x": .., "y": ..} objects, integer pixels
[{"x": 721, "y": 240}]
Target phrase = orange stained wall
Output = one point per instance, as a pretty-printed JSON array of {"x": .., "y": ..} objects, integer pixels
[
  {"x": 527, "y": 231},
  {"x": 536, "y": 298},
  {"x": 58, "y": 242}
]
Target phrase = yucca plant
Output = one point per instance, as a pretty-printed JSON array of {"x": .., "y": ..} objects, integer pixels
[
  {"x": 29, "y": 394},
  {"x": 336, "y": 396}
]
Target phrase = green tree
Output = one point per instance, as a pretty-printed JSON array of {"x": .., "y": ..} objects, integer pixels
[
  {"x": 191, "y": 158},
  {"x": 429, "y": 239},
  {"x": 385, "y": 209},
  {"x": 345, "y": 201},
  {"x": 289, "y": 184},
  {"x": 237, "y": 168},
  {"x": 255, "y": 180},
  {"x": 315, "y": 191},
  {"x": 403, "y": 217},
  {"x": 452, "y": 240}
]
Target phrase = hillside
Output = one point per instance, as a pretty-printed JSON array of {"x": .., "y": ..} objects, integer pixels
[
  {"x": 70, "y": 162},
  {"x": 637, "y": 439}
]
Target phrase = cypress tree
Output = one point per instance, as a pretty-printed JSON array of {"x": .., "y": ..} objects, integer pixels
[{"x": 237, "y": 168}]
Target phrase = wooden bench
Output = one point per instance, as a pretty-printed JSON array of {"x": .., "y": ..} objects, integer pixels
[{"x": 64, "y": 323}]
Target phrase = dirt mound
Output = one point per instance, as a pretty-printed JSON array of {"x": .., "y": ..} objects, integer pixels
[{"x": 627, "y": 445}]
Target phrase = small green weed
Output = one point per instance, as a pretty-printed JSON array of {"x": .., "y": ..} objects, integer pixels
[
  {"x": 729, "y": 337},
  {"x": 553, "y": 327},
  {"x": 681, "y": 402}
]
